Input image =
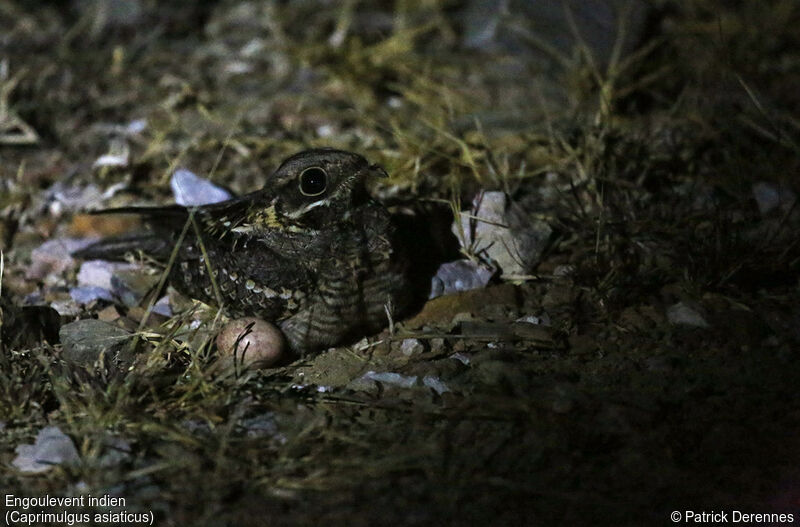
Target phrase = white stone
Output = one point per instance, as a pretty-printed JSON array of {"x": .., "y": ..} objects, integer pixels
[
  {"x": 411, "y": 347},
  {"x": 190, "y": 189},
  {"x": 435, "y": 384},
  {"x": 98, "y": 273},
  {"x": 391, "y": 378},
  {"x": 498, "y": 230},
  {"x": 681, "y": 314}
]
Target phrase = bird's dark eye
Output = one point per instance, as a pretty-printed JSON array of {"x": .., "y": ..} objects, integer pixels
[{"x": 313, "y": 181}]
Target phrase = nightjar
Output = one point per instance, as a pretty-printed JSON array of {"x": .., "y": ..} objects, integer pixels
[{"x": 311, "y": 251}]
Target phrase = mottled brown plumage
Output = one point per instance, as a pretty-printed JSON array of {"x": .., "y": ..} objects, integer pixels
[{"x": 310, "y": 251}]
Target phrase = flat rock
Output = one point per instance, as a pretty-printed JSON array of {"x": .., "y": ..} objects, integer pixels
[
  {"x": 85, "y": 341},
  {"x": 51, "y": 447}
]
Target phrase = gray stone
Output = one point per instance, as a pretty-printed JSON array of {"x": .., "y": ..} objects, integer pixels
[
  {"x": 162, "y": 307},
  {"x": 460, "y": 275},
  {"x": 87, "y": 294},
  {"x": 85, "y": 341},
  {"x": 53, "y": 257},
  {"x": 462, "y": 358},
  {"x": 435, "y": 384},
  {"x": 51, "y": 447}
]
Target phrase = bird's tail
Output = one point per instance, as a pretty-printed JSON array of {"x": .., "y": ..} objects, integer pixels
[
  {"x": 156, "y": 243},
  {"x": 116, "y": 248}
]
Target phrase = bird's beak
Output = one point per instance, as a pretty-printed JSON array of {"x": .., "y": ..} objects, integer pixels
[{"x": 378, "y": 171}]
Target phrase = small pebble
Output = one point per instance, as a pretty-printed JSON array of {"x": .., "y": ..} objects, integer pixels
[
  {"x": 542, "y": 320},
  {"x": 460, "y": 357},
  {"x": 411, "y": 347},
  {"x": 136, "y": 126},
  {"x": 435, "y": 384},
  {"x": 162, "y": 307},
  {"x": 118, "y": 155},
  {"x": 53, "y": 257},
  {"x": 457, "y": 276},
  {"x": 252, "y": 341},
  {"x": 681, "y": 314},
  {"x": 391, "y": 378}
]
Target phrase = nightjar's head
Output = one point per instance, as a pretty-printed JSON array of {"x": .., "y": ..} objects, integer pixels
[{"x": 318, "y": 187}]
